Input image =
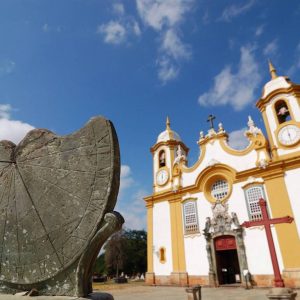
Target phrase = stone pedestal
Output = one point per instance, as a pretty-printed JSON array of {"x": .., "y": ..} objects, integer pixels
[
  {"x": 194, "y": 293},
  {"x": 179, "y": 278},
  {"x": 281, "y": 293},
  {"x": 150, "y": 278}
]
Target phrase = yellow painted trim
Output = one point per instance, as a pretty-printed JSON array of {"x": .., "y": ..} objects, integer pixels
[
  {"x": 262, "y": 102},
  {"x": 235, "y": 152},
  {"x": 169, "y": 143},
  {"x": 217, "y": 169},
  {"x": 274, "y": 169},
  {"x": 252, "y": 184},
  {"x": 197, "y": 164},
  {"x": 150, "y": 238},
  {"x": 178, "y": 253},
  {"x": 183, "y": 200},
  {"x": 287, "y": 234},
  {"x": 270, "y": 137}
]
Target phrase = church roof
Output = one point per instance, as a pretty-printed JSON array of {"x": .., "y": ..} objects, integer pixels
[{"x": 168, "y": 134}]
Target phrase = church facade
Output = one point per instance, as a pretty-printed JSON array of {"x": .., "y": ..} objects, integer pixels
[{"x": 195, "y": 213}]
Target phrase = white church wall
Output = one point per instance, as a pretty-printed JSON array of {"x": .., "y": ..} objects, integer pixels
[
  {"x": 195, "y": 245},
  {"x": 293, "y": 188},
  {"x": 256, "y": 245},
  {"x": 162, "y": 238},
  {"x": 296, "y": 108},
  {"x": 215, "y": 152}
]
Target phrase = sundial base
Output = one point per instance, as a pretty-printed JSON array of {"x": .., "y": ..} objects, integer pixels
[
  {"x": 75, "y": 280},
  {"x": 94, "y": 296}
]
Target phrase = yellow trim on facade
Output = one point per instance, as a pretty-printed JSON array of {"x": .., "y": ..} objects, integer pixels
[
  {"x": 169, "y": 143},
  {"x": 235, "y": 152},
  {"x": 269, "y": 133},
  {"x": 177, "y": 237},
  {"x": 262, "y": 102},
  {"x": 280, "y": 206},
  {"x": 150, "y": 236},
  {"x": 276, "y": 168},
  {"x": 197, "y": 164}
]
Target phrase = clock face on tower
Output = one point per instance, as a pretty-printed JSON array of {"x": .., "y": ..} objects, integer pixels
[
  {"x": 162, "y": 177},
  {"x": 289, "y": 135}
]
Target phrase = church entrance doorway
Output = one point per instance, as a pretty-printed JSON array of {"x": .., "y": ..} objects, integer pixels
[{"x": 227, "y": 262}]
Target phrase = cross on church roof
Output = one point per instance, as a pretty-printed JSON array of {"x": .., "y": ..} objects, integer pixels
[{"x": 211, "y": 120}]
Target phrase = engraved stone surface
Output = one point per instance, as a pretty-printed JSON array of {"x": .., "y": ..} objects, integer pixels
[{"x": 56, "y": 200}]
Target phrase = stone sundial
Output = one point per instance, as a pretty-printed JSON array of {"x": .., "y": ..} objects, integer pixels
[{"x": 57, "y": 195}]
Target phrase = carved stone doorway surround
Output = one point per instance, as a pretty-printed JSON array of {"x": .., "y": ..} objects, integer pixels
[{"x": 223, "y": 224}]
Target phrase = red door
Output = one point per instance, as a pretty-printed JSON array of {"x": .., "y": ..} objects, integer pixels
[{"x": 225, "y": 242}]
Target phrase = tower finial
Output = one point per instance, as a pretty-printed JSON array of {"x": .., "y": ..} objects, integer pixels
[
  {"x": 168, "y": 123},
  {"x": 272, "y": 70}
]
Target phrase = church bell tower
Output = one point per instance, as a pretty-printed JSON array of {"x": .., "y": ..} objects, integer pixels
[
  {"x": 280, "y": 107},
  {"x": 168, "y": 151}
]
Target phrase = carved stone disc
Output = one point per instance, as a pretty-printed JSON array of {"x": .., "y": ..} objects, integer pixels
[{"x": 54, "y": 192}]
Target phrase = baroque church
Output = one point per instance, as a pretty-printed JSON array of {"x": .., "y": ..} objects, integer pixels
[{"x": 195, "y": 214}]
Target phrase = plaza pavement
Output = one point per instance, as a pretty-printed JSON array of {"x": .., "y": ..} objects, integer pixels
[
  {"x": 177, "y": 293},
  {"x": 161, "y": 293}
]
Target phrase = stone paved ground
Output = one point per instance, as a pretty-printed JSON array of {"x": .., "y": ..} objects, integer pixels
[
  {"x": 176, "y": 293},
  {"x": 163, "y": 293}
]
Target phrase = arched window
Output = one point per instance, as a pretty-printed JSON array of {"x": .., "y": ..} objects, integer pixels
[
  {"x": 282, "y": 111},
  {"x": 162, "y": 158},
  {"x": 253, "y": 194},
  {"x": 190, "y": 217},
  {"x": 162, "y": 255}
]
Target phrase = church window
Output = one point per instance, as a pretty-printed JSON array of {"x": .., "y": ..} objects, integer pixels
[
  {"x": 190, "y": 217},
  {"x": 282, "y": 111},
  {"x": 220, "y": 189},
  {"x": 253, "y": 194},
  {"x": 162, "y": 159},
  {"x": 162, "y": 255}
]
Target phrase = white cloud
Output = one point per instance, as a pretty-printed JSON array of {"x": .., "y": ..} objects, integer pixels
[
  {"x": 114, "y": 32},
  {"x": 136, "y": 28},
  {"x": 134, "y": 211},
  {"x": 45, "y": 28},
  {"x": 259, "y": 30},
  {"x": 165, "y": 17},
  {"x": 118, "y": 9},
  {"x": 235, "y": 10},
  {"x": 236, "y": 89},
  {"x": 163, "y": 13},
  {"x": 118, "y": 31},
  {"x": 237, "y": 139},
  {"x": 167, "y": 70},
  {"x": 126, "y": 180},
  {"x": 12, "y": 130},
  {"x": 172, "y": 46},
  {"x": 7, "y": 66},
  {"x": 271, "y": 48}
]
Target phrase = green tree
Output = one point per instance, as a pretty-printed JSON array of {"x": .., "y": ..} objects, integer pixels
[
  {"x": 115, "y": 253},
  {"x": 99, "y": 267},
  {"x": 126, "y": 251}
]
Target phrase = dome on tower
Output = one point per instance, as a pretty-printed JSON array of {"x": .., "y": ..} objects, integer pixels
[{"x": 168, "y": 134}]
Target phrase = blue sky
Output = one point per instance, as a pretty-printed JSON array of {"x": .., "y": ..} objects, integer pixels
[{"x": 135, "y": 62}]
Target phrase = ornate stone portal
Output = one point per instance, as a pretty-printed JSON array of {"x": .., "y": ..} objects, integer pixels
[
  {"x": 57, "y": 196},
  {"x": 223, "y": 224}
]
